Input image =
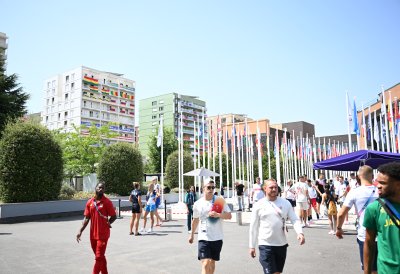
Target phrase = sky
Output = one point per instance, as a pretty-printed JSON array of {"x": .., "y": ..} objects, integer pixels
[{"x": 282, "y": 60}]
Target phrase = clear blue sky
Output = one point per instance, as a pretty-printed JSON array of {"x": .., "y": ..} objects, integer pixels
[{"x": 282, "y": 60}]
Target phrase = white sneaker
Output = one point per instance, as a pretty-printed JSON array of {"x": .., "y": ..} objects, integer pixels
[
  {"x": 150, "y": 230},
  {"x": 331, "y": 232},
  {"x": 141, "y": 230}
]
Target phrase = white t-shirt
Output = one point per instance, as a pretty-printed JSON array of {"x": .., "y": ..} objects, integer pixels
[
  {"x": 266, "y": 224},
  {"x": 342, "y": 190},
  {"x": 312, "y": 192},
  {"x": 258, "y": 192},
  {"x": 301, "y": 191},
  {"x": 353, "y": 183},
  {"x": 289, "y": 194},
  {"x": 336, "y": 185},
  {"x": 358, "y": 197},
  {"x": 208, "y": 230}
]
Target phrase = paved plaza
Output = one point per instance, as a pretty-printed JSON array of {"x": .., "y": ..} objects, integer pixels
[{"x": 49, "y": 246}]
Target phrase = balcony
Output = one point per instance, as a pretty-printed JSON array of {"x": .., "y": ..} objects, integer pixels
[{"x": 90, "y": 80}]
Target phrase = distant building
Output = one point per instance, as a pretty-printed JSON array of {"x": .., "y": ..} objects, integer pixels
[
  {"x": 86, "y": 96},
  {"x": 171, "y": 107},
  {"x": 297, "y": 129},
  {"x": 3, "y": 46}
]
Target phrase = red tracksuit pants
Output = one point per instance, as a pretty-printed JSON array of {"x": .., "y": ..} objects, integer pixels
[{"x": 99, "y": 250}]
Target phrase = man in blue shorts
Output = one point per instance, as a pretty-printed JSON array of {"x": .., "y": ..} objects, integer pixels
[
  {"x": 268, "y": 225},
  {"x": 210, "y": 233}
]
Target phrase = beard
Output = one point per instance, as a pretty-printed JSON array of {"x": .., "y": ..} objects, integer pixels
[{"x": 99, "y": 194}]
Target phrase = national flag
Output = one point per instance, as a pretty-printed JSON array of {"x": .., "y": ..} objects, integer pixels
[
  {"x": 376, "y": 129},
  {"x": 89, "y": 80},
  {"x": 355, "y": 120},
  {"x": 94, "y": 88},
  {"x": 160, "y": 134}
]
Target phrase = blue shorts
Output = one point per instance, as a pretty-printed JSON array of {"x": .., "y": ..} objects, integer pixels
[
  {"x": 209, "y": 250},
  {"x": 272, "y": 258},
  {"x": 150, "y": 208},
  {"x": 361, "y": 248},
  {"x": 158, "y": 201}
]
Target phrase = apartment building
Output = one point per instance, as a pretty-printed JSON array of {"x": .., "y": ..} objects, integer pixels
[
  {"x": 86, "y": 96},
  {"x": 171, "y": 107}
]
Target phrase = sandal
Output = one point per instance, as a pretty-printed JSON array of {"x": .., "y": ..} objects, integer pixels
[
  {"x": 138, "y": 234},
  {"x": 130, "y": 233}
]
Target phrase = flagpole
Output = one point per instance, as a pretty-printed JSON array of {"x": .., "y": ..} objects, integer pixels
[
  {"x": 295, "y": 158},
  {"x": 349, "y": 119},
  {"x": 268, "y": 151},
  {"x": 277, "y": 160},
  {"x": 384, "y": 116},
  {"x": 371, "y": 129},
  {"x": 234, "y": 148},
  {"x": 179, "y": 158},
  {"x": 260, "y": 171},
  {"x": 392, "y": 121},
  {"x": 204, "y": 134},
  {"x": 227, "y": 161},
  {"x": 182, "y": 167},
  {"x": 364, "y": 128},
  {"x": 247, "y": 152},
  {"x": 376, "y": 132}
]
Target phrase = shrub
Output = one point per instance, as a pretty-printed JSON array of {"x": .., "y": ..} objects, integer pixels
[
  {"x": 31, "y": 166},
  {"x": 172, "y": 177},
  {"x": 120, "y": 165},
  {"x": 66, "y": 192}
]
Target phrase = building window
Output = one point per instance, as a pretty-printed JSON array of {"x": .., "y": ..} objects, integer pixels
[
  {"x": 65, "y": 123},
  {"x": 84, "y": 103},
  {"x": 161, "y": 115},
  {"x": 47, "y": 101},
  {"x": 91, "y": 113},
  {"x": 161, "y": 108},
  {"x": 48, "y": 84},
  {"x": 154, "y": 103},
  {"x": 72, "y": 85},
  {"x": 52, "y": 100},
  {"x": 161, "y": 102},
  {"x": 72, "y": 76},
  {"x": 47, "y": 119},
  {"x": 59, "y": 116},
  {"x": 67, "y": 78},
  {"x": 66, "y": 96},
  {"x": 154, "y": 117},
  {"x": 154, "y": 123},
  {"x": 66, "y": 114},
  {"x": 53, "y": 83},
  {"x": 154, "y": 109}
]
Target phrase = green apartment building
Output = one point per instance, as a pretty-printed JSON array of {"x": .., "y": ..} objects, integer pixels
[{"x": 171, "y": 107}]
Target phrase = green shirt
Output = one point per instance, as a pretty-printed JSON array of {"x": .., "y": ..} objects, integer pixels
[{"x": 378, "y": 220}]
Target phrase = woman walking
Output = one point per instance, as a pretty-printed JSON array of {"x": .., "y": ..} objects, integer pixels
[
  {"x": 150, "y": 208},
  {"x": 135, "y": 199},
  {"x": 329, "y": 199}
]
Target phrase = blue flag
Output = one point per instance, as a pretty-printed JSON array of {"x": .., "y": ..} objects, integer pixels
[{"x": 355, "y": 120}]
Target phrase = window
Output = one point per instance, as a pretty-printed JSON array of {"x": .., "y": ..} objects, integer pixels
[
  {"x": 47, "y": 101},
  {"x": 154, "y": 109},
  {"x": 65, "y": 123},
  {"x": 66, "y": 96},
  {"x": 47, "y": 119},
  {"x": 161, "y": 115},
  {"x": 59, "y": 116},
  {"x": 161, "y": 108},
  {"x": 72, "y": 85},
  {"x": 48, "y": 84},
  {"x": 84, "y": 103},
  {"x": 72, "y": 76},
  {"x": 154, "y": 123},
  {"x": 154, "y": 103},
  {"x": 154, "y": 117},
  {"x": 91, "y": 113},
  {"x": 52, "y": 100},
  {"x": 161, "y": 102},
  {"x": 53, "y": 83},
  {"x": 66, "y": 114},
  {"x": 67, "y": 78}
]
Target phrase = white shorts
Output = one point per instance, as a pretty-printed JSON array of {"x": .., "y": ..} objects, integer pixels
[{"x": 302, "y": 205}]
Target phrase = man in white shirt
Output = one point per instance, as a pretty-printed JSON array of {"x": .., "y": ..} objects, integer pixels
[
  {"x": 210, "y": 233},
  {"x": 360, "y": 197},
  {"x": 302, "y": 199},
  {"x": 257, "y": 192},
  {"x": 268, "y": 226},
  {"x": 353, "y": 181}
]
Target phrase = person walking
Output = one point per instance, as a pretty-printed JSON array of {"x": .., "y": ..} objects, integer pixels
[
  {"x": 382, "y": 222},
  {"x": 190, "y": 198},
  {"x": 290, "y": 194},
  {"x": 268, "y": 225},
  {"x": 328, "y": 198},
  {"x": 257, "y": 192},
  {"x": 312, "y": 193},
  {"x": 210, "y": 235},
  {"x": 302, "y": 199},
  {"x": 157, "y": 188},
  {"x": 360, "y": 197},
  {"x": 240, "y": 193},
  {"x": 100, "y": 211},
  {"x": 150, "y": 208},
  {"x": 135, "y": 199}
]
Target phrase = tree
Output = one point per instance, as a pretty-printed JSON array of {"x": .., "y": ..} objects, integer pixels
[
  {"x": 170, "y": 144},
  {"x": 31, "y": 166},
  {"x": 172, "y": 169},
  {"x": 120, "y": 165},
  {"x": 81, "y": 153},
  {"x": 12, "y": 97}
]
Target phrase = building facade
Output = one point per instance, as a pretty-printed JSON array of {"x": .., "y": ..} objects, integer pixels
[
  {"x": 86, "y": 96},
  {"x": 171, "y": 107},
  {"x": 3, "y": 46}
]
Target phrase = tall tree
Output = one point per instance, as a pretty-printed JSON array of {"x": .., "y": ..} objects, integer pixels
[
  {"x": 12, "y": 97},
  {"x": 170, "y": 144}
]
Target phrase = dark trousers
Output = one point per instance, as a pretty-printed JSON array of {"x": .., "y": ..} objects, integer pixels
[
  {"x": 189, "y": 218},
  {"x": 99, "y": 250}
]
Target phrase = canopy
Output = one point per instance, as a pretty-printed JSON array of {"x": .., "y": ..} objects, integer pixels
[
  {"x": 352, "y": 161},
  {"x": 202, "y": 172}
]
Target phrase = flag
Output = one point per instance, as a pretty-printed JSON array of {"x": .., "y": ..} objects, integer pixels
[
  {"x": 355, "y": 120},
  {"x": 369, "y": 132},
  {"x": 376, "y": 129},
  {"x": 160, "y": 134}
]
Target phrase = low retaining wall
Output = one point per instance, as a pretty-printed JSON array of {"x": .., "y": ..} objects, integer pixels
[{"x": 22, "y": 212}]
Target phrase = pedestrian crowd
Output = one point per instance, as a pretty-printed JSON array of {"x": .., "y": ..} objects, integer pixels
[{"x": 375, "y": 203}]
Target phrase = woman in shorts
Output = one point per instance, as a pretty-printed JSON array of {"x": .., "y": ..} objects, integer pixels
[
  {"x": 150, "y": 207},
  {"x": 135, "y": 199}
]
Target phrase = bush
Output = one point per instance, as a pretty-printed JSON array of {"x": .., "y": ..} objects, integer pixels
[
  {"x": 120, "y": 165},
  {"x": 172, "y": 177},
  {"x": 31, "y": 166},
  {"x": 66, "y": 192}
]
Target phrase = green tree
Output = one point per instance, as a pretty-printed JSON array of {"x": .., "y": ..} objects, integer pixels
[
  {"x": 120, "y": 165},
  {"x": 31, "y": 166},
  {"x": 172, "y": 169},
  {"x": 81, "y": 153},
  {"x": 12, "y": 97},
  {"x": 170, "y": 144}
]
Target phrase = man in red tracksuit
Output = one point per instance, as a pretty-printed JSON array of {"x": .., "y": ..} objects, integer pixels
[{"x": 101, "y": 213}]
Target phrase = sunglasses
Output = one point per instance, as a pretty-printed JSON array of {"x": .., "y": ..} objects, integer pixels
[{"x": 210, "y": 187}]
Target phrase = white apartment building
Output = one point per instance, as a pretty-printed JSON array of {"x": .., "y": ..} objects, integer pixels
[
  {"x": 86, "y": 96},
  {"x": 3, "y": 45}
]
